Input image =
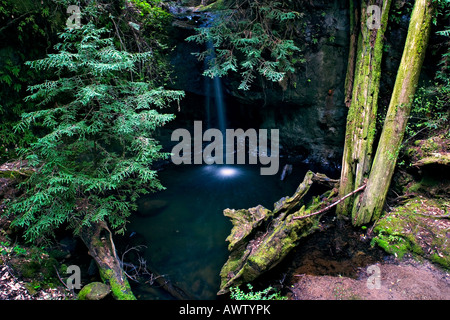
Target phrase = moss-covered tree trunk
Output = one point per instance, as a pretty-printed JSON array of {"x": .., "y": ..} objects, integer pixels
[
  {"x": 383, "y": 166},
  {"x": 98, "y": 240},
  {"x": 354, "y": 31},
  {"x": 363, "y": 103}
]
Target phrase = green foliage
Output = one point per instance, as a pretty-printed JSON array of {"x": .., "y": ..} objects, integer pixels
[
  {"x": 151, "y": 10},
  {"x": 6, "y": 248},
  {"x": 95, "y": 157},
  {"x": 26, "y": 32},
  {"x": 443, "y": 10},
  {"x": 400, "y": 11},
  {"x": 431, "y": 105},
  {"x": 29, "y": 30},
  {"x": 238, "y": 294},
  {"x": 254, "y": 38}
]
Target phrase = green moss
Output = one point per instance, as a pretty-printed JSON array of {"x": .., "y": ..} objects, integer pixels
[
  {"x": 429, "y": 145},
  {"x": 410, "y": 229},
  {"x": 443, "y": 261},
  {"x": 94, "y": 291},
  {"x": 120, "y": 291},
  {"x": 216, "y": 5},
  {"x": 28, "y": 269}
]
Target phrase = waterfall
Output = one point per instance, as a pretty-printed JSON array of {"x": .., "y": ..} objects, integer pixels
[
  {"x": 215, "y": 102},
  {"x": 215, "y": 107}
]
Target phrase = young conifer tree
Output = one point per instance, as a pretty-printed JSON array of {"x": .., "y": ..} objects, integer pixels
[{"x": 94, "y": 159}]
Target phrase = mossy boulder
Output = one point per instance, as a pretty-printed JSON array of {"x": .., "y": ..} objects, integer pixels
[
  {"x": 94, "y": 291},
  {"x": 419, "y": 226}
]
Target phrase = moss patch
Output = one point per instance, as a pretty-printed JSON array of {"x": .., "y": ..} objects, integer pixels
[
  {"x": 120, "y": 291},
  {"x": 94, "y": 291},
  {"x": 418, "y": 226},
  {"x": 434, "y": 149}
]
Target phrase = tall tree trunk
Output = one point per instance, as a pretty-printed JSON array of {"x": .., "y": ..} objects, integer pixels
[
  {"x": 98, "y": 239},
  {"x": 361, "y": 118},
  {"x": 354, "y": 31},
  {"x": 383, "y": 166}
]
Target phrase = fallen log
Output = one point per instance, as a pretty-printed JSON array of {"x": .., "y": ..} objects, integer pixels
[
  {"x": 331, "y": 205},
  {"x": 101, "y": 248},
  {"x": 261, "y": 238},
  {"x": 326, "y": 181},
  {"x": 15, "y": 169},
  {"x": 434, "y": 158}
]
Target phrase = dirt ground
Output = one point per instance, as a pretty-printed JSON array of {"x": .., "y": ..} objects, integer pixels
[{"x": 407, "y": 280}]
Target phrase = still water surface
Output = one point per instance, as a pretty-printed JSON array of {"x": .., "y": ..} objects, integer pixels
[{"x": 184, "y": 227}]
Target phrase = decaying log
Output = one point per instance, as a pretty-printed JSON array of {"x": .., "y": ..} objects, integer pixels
[
  {"x": 331, "y": 205},
  {"x": 98, "y": 239},
  {"x": 16, "y": 168},
  {"x": 324, "y": 180},
  {"x": 245, "y": 221},
  {"x": 261, "y": 238},
  {"x": 286, "y": 204}
]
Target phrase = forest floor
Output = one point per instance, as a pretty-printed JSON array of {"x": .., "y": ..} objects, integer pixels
[
  {"x": 406, "y": 280},
  {"x": 408, "y": 249},
  {"x": 415, "y": 231}
]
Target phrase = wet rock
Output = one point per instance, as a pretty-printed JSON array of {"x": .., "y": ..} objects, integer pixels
[
  {"x": 94, "y": 291},
  {"x": 149, "y": 208}
]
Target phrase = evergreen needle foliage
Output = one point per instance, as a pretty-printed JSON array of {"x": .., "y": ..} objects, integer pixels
[
  {"x": 253, "y": 38},
  {"x": 95, "y": 158}
]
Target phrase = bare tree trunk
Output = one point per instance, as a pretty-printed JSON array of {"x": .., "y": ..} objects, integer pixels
[
  {"x": 361, "y": 118},
  {"x": 98, "y": 239},
  {"x": 383, "y": 166}
]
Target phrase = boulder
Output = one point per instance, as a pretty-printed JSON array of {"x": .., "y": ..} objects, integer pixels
[
  {"x": 151, "y": 207},
  {"x": 94, "y": 291}
]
